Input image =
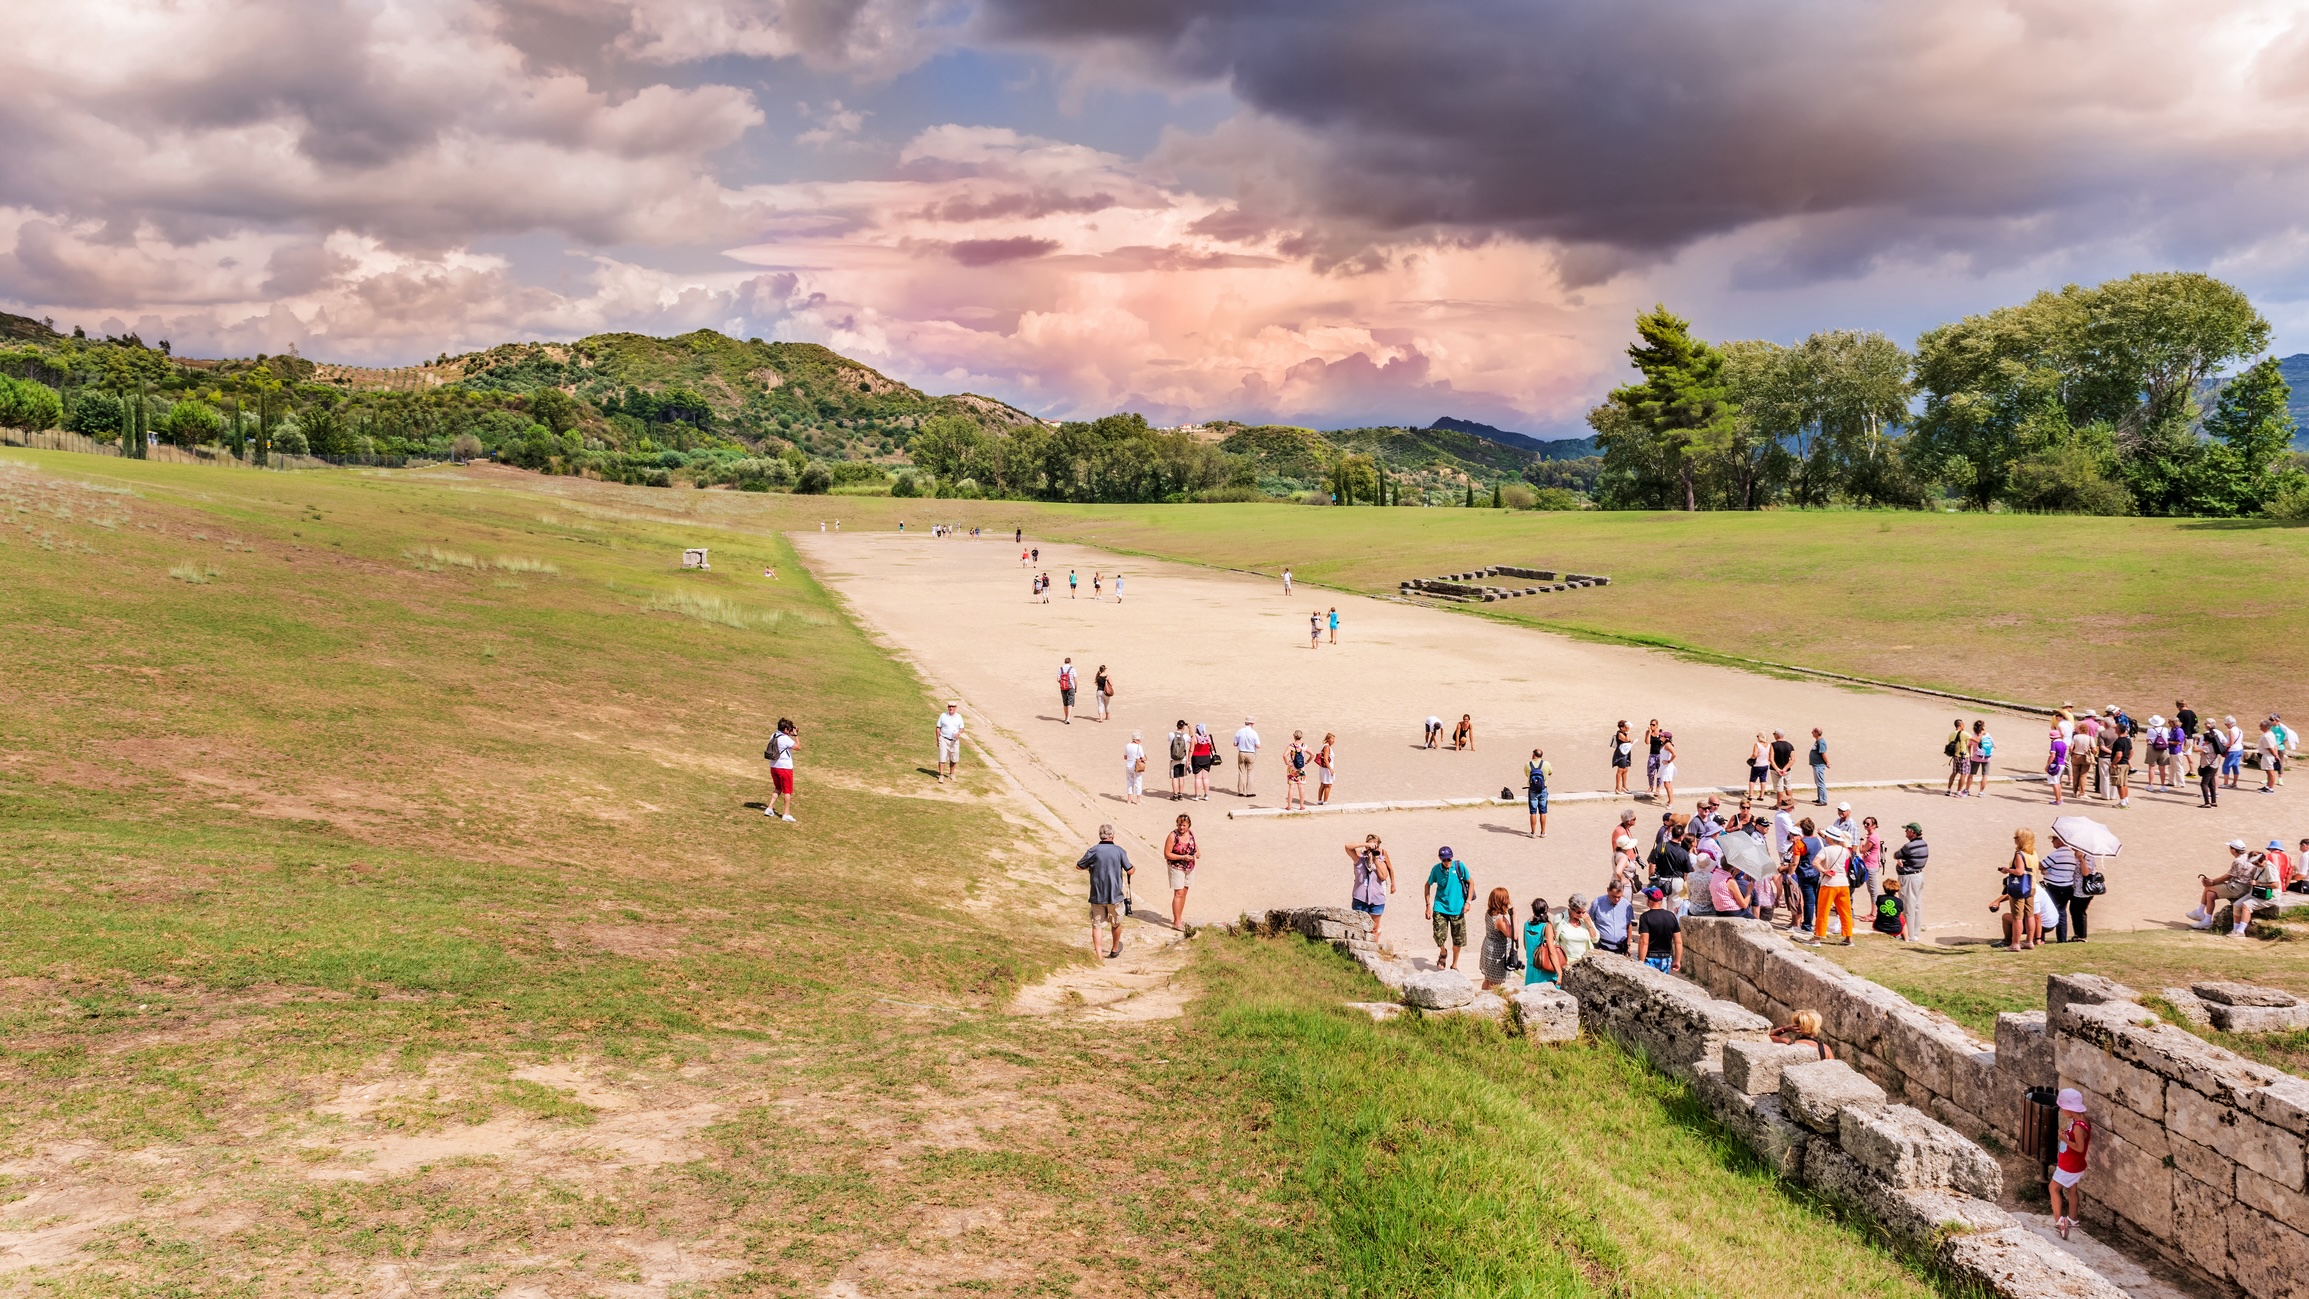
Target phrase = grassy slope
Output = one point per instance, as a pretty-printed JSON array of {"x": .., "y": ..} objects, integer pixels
[
  {"x": 352, "y": 808},
  {"x": 2040, "y": 609}
]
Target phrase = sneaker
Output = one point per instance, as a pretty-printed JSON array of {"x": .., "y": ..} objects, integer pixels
[
  {"x": 787, "y": 817},
  {"x": 2238, "y": 932},
  {"x": 769, "y": 811},
  {"x": 2206, "y": 923},
  {"x": 2199, "y": 914}
]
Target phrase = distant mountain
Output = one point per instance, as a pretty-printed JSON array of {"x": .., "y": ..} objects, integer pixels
[
  {"x": 2295, "y": 368},
  {"x": 1545, "y": 449},
  {"x": 26, "y": 328}
]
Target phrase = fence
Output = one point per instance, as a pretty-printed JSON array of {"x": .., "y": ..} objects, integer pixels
[{"x": 59, "y": 440}]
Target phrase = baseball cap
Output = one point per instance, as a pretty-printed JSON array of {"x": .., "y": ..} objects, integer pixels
[
  {"x": 1843, "y": 807},
  {"x": 1913, "y": 826},
  {"x": 2237, "y": 845},
  {"x": 2072, "y": 1100},
  {"x": 1655, "y": 894},
  {"x": 1445, "y": 853}
]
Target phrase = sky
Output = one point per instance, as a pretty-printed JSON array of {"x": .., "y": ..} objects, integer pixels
[{"x": 1352, "y": 212}]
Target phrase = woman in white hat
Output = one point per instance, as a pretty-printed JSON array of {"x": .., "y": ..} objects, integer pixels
[
  {"x": 2075, "y": 1142},
  {"x": 1835, "y": 867}
]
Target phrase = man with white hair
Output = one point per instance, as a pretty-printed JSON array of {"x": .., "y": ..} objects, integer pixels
[
  {"x": 950, "y": 724},
  {"x": 2233, "y": 760},
  {"x": 1246, "y": 749},
  {"x": 2231, "y": 887},
  {"x": 1110, "y": 870}
]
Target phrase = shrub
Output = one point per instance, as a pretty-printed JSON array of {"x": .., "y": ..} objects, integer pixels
[
  {"x": 1554, "y": 498},
  {"x": 289, "y": 440},
  {"x": 2291, "y": 500},
  {"x": 906, "y": 486},
  {"x": 95, "y": 413},
  {"x": 1231, "y": 496},
  {"x": 191, "y": 423},
  {"x": 814, "y": 480},
  {"x": 2067, "y": 479},
  {"x": 1517, "y": 496}
]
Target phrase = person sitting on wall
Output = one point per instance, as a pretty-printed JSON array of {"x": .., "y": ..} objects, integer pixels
[{"x": 1803, "y": 1030}]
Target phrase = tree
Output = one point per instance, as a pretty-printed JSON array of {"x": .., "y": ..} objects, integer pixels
[
  {"x": 2247, "y": 462},
  {"x": 1681, "y": 408},
  {"x": 553, "y": 408},
  {"x": 28, "y": 404},
  {"x": 948, "y": 447},
  {"x": 1498, "y": 502},
  {"x": 191, "y": 423}
]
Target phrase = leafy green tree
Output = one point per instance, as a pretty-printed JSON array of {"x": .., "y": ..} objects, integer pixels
[
  {"x": 553, "y": 408},
  {"x": 2247, "y": 462},
  {"x": 192, "y": 423},
  {"x": 28, "y": 404},
  {"x": 94, "y": 413},
  {"x": 1680, "y": 411}
]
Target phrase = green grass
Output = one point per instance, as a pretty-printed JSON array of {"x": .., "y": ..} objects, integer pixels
[{"x": 304, "y": 862}]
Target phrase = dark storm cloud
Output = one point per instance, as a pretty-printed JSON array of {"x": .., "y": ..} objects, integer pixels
[{"x": 1644, "y": 125}]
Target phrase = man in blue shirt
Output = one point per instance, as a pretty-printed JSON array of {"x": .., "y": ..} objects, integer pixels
[
  {"x": 1447, "y": 890},
  {"x": 1110, "y": 871},
  {"x": 1611, "y": 915}
]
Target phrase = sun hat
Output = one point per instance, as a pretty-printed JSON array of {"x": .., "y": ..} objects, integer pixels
[
  {"x": 2072, "y": 1100},
  {"x": 2156, "y": 719},
  {"x": 1838, "y": 835},
  {"x": 2276, "y": 846},
  {"x": 1623, "y": 842}
]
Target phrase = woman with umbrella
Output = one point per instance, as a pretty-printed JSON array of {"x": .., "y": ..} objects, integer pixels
[{"x": 2072, "y": 875}]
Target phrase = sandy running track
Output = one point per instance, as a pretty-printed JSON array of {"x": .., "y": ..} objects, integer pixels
[{"x": 1216, "y": 647}]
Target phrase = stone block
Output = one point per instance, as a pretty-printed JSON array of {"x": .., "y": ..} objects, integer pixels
[
  {"x": 2201, "y": 1216},
  {"x": 2024, "y": 1054},
  {"x": 1919, "y": 1218},
  {"x": 2189, "y": 1006},
  {"x": 1911, "y": 1151},
  {"x": 1753, "y": 1068},
  {"x": 1672, "y": 1021},
  {"x": 2243, "y": 994},
  {"x": 1381, "y": 1011},
  {"x": 2257, "y": 1019},
  {"x": 1815, "y": 1094},
  {"x": 2283, "y": 1103},
  {"x": 1756, "y": 1120},
  {"x": 2110, "y": 1118},
  {"x": 2082, "y": 1064},
  {"x": 2062, "y": 991},
  {"x": 1438, "y": 989},
  {"x": 1395, "y": 975},
  {"x": 1483, "y": 1005},
  {"x": 1545, "y": 1013},
  {"x": 2267, "y": 1258},
  {"x": 2201, "y": 1164},
  {"x": 2280, "y": 1202},
  {"x": 2016, "y": 1263},
  {"x": 2265, "y": 1148},
  {"x": 2136, "y": 1185}
]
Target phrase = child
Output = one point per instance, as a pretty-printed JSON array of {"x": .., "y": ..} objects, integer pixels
[
  {"x": 2076, "y": 1139},
  {"x": 1891, "y": 912}
]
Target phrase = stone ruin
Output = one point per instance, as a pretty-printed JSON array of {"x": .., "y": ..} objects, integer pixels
[{"x": 1472, "y": 587}]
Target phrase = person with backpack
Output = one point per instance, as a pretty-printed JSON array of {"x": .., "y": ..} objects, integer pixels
[
  {"x": 1978, "y": 752},
  {"x": 1374, "y": 880},
  {"x": 1295, "y": 761},
  {"x": 1066, "y": 683},
  {"x": 1446, "y": 899},
  {"x": 2212, "y": 747},
  {"x": 1181, "y": 749},
  {"x": 1535, "y": 774},
  {"x": 1954, "y": 751},
  {"x": 780, "y": 752},
  {"x": 2017, "y": 895}
]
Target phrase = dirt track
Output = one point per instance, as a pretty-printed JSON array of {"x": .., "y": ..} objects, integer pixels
[{"x": 1216, "y": 647}]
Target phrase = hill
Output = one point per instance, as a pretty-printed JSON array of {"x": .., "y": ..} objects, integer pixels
[
  {"x": 1544, "y": 448},
  {"x": 1435, "y": 464},
  {"x": 2295, "y": 368}
]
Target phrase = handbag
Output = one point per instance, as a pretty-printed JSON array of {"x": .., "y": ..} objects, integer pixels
[{"x": 2091, "y": 884}]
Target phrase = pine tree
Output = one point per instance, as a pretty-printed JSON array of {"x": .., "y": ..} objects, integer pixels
[
  {"x": 1680, "y": 411},
  {"x": 2244, "y": 465}
]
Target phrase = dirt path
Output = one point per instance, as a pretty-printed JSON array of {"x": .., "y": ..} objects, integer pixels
[{"x": 1217, "y": 648}]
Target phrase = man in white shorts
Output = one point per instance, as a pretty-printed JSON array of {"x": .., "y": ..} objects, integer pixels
[
  {"x": 1286, "y": 581},
  {"x": 1246, "y": 748},
  {"x": 950, "y": 726},
  {"x": 1434, "y": 730}
]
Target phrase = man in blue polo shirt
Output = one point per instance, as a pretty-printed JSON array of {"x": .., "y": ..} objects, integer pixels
[
  {"x": 1611, "y": 914},
  {"x": 1447, "y": 890}
]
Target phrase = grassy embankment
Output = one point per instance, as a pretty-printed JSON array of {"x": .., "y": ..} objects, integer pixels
[{"x": 385, "y": 908}]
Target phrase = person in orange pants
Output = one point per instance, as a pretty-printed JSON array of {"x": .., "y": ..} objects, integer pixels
[{"x": 1835, "y": 867}]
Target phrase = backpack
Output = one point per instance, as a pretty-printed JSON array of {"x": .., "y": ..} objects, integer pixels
[
  {"x": 1298, "y": 759},
  {"x": 1179, "y": 746}
]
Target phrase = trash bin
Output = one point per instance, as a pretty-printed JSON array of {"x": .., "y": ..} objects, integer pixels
[{"x": 2039, "y": 1123}]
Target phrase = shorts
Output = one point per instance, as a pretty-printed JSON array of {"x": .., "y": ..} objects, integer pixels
[
  {"x": 1181, "y": 877},
  {"x": 949, "y": 750},
  {"x": 1370, "y": 908},
  {"x": 1536, "y": 800},
  {"x": 1979, "y": 766},
  {"x": 1756, "y": 775},
  {"x": 1296, "y": 775},
  {"x": 2232, "y": 763},
  {"x": 1450, "y": 931},
  {"x": 1106, "y": 913},
  {"x": 782, "y": 779},
  {"x": 2228, "y": 892},
  {"x": 1178, "y": 771},
  {"x": 2064, "y": 1177},
  {"x": 1202, "y": 761},
  {"x": 1664, "y": 964},
  {"x": 1066, "y": 696}
]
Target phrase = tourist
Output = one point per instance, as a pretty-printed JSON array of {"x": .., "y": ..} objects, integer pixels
[
  {"x": 1118, "y": 588},
  {"x": 1851, "y": 831},
  {"x": 1626, "y": 829},
  {"x": 2206, "y": 754},
  {"x": 1805, "y": 848},
  {"x": 1180, "y": 853},
  {"x": 2231, "y": 887},
  {"x": 2119, "y": 788},
  {"x": 2056, "y": 762},
  {"x": 1295, "y": 760},
  {"x": 2185, "y": 721},
  {"x": 1535, "y": 774},
  {"x": 1759, "y": 765},
  {"x": 1659, "y": 935},
  {"x": 1834, "y": 872},
  {"x": 1066, "y": 684},
  {"x": 1182, "y": 747},
  {"x": 1803, "y": 1029},
  {"x": 2085, "y": 754},
  {"x": 1246, "y": 751},
  {"x": 2272, "y": 753},
  {"x": 1819, "y": 762},
  {"x": 1652, "y": 756},
  {"x": 2073, "y": 1141},
  {"x": 2232, "y": 752},
  {"x": 1334, "y": 624},
  {"x": 2268, "y": 881},
  {"x": 1326, "y": 767},
  {"x": 1133, "y": 767},
  {"x": 1463, "y": 735},
  {"x": 2285, "y": 743},
  {"x": 1783, "y": 758},
  {"x": 1576, "y": 935},
  {"x": 780, "y": 752},
  {"x": 1374, "y": 880},
  {"x": 1073, "y": 584},
  {"x": 1315, "y": 630},
  {"x": 1891, "y": 915},
  {"x": 1434, "y": 732},
  {"x": 1110, "y": 872},
  {"x": 1033, "y": 588},
  {"x": 1868, "y": 852},
  {"x": 1730, "y": 893},
  {"x": 1622, "y": 755},
  {"x": 1544, "y": 957},
  {"x": 950, "y": 724},
  {"x": 1978, "y": 752},
  {"x": 2017, "y": 895},
  {"x": 1499, "y": 951},
  {"x": 1956, "y": 753},
  {"x": 1667, "y": 769},
  {"x": 1102, "y": 693},
  {"x": 1286, "y": 581},
  {"x": 2284, "y": 864},
  {"x": 1200, "y": 759},
  {"x": 1612, "y": 914},
  {"x": 1046, "y": 588},
  {"x": 1627, "y": 862},
  {"x": 1446, "y": 898}
]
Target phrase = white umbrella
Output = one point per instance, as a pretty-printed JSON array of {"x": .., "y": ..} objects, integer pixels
[
  {"x": 2087, "y": 836},
  {"x": 1746, "y": 853}
]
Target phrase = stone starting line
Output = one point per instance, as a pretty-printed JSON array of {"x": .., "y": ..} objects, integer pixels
[{"x": 1589, "y": 796}]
